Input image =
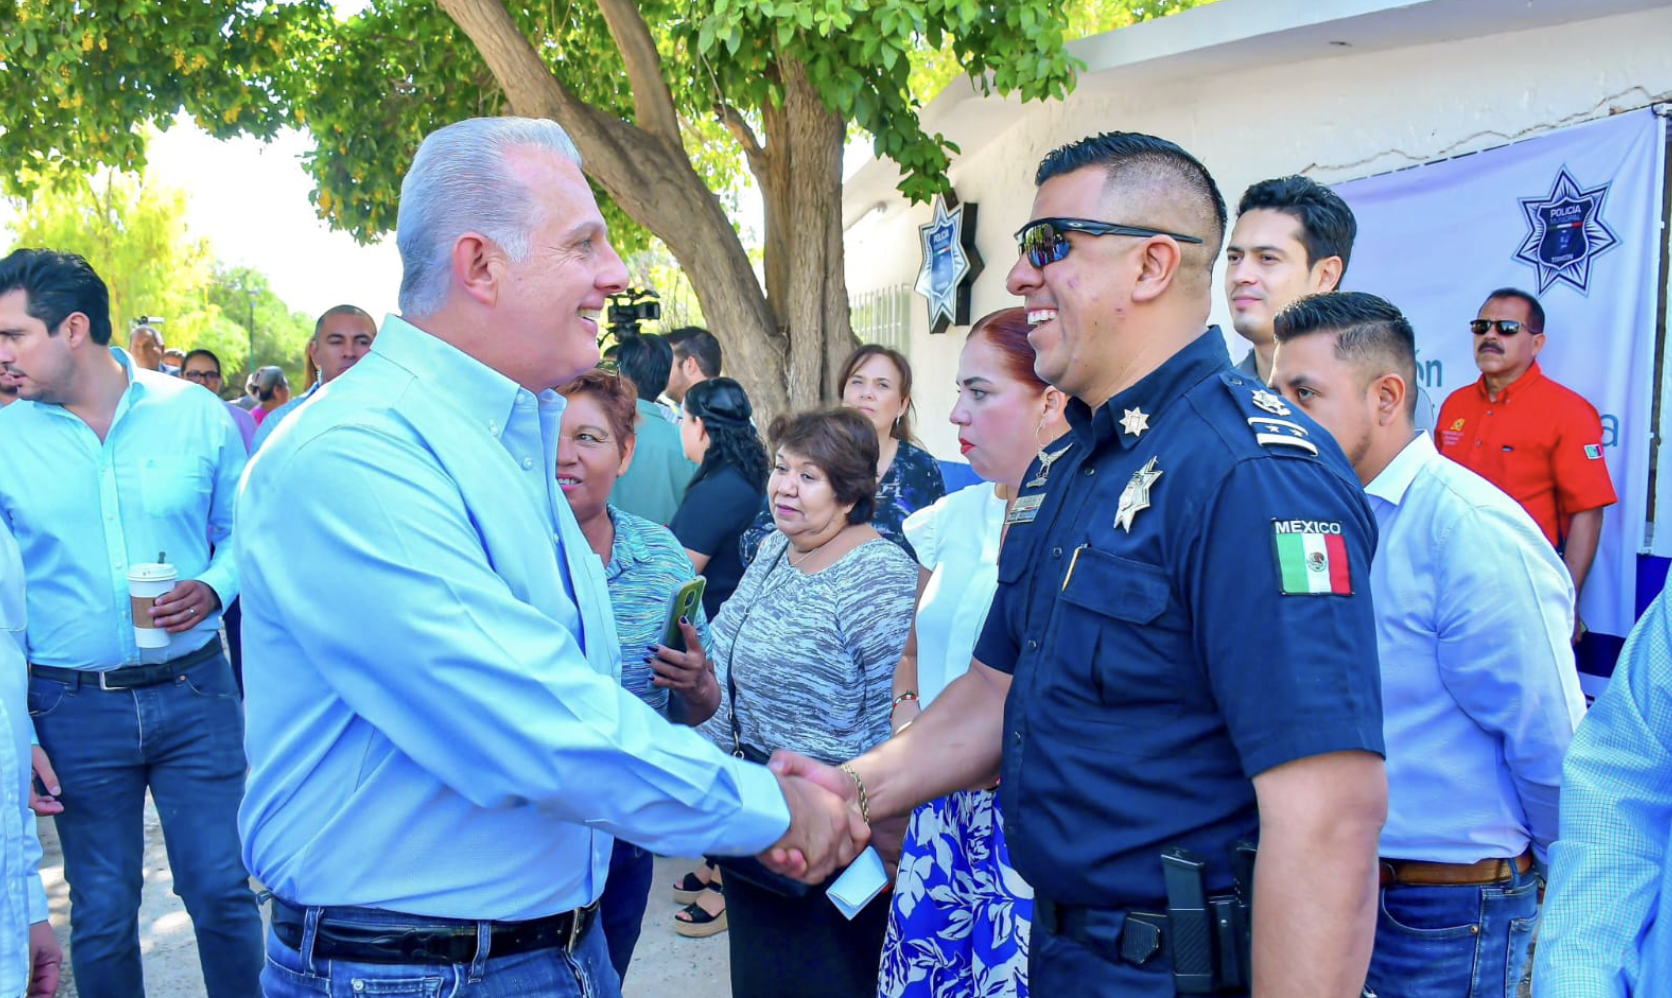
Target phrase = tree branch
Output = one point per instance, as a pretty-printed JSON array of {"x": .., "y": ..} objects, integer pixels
[
  {"x": 758, "y": 156},
  {"x": 526, "y": 80},
  {"x": 652, "y": 100}
]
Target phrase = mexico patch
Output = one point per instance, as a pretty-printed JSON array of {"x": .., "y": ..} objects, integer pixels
[
  {"x": 1311, "y": 558},
  {"x": 1593, "y": 452}
]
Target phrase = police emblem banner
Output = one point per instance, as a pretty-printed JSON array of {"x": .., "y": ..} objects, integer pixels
[{"x": 1573, "y": 217}]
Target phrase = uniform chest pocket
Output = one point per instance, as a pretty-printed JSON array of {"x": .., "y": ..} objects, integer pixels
[
  {"x": 1125, "y": 637},
  {"x": 171, "y": 485}
]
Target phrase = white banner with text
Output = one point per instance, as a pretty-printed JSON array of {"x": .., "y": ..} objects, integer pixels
[{"x": 1572, "y": 217}]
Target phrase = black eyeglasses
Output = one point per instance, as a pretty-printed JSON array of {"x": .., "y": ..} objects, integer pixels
[
  {"x": 201, "y": 376},
  {"x": 1045, "y": 240},
  {"x": 1506, "y": 327}
]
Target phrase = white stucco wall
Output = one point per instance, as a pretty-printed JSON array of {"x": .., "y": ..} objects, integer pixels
[{"x": 1335, "y": 118}]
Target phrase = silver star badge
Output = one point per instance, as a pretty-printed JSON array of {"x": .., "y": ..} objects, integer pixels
[
  {"x": 1271, "y": 403},
  {"x": 1136, "y": 498},
  {"x": 1135, "y": 422}
]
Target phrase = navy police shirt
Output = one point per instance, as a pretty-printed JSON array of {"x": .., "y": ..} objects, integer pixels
[{"x": 1183, "y": 602}]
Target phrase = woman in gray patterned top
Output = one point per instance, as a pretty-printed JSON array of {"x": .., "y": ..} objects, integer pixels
[{"x": 809, "y": 642}]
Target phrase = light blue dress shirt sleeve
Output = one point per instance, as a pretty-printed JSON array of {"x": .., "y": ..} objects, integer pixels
[
  {"x": 278, "y": 416},
  {"x": 222, "y": 573},
  {"x": 22, "y": 898},
  {"x": 482, "y": 690},
  {"x": 1504, "y": 654},
  {"x": 1607, "y": 923}
]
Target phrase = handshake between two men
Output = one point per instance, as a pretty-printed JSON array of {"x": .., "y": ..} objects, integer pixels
[
  {"x": 835, "y": 811},
  {"x": 831, "y": 821}
]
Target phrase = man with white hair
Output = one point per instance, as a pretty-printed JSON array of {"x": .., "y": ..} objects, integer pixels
[{"x": 440, "y": 751}]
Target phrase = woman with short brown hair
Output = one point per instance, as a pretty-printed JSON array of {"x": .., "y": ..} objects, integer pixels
[{"x": 805, "y": 653}]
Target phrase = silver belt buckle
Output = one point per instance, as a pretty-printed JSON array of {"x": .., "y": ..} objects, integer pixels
[
  {"x": 579, "y": 920},
  {"x": 103, "y": 685}
]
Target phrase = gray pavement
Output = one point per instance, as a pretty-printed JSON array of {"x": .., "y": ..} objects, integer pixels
[{"x": 665, "y": 962}]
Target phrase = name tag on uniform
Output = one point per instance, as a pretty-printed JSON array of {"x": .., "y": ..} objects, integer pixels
[{"x": 1024, "y": 509}]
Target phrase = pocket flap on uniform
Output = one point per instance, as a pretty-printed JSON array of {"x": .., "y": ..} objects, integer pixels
[
  {"x": 1116, "y": 587},
  {"x": 1013, "y": 564}
]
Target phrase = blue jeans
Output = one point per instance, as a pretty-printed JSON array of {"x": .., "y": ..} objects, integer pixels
[
  {"x": 547, "y": 973},
  {"x": 184, "y": 740},
  {"x": 626, "y": 895},
  {"x": 1459, "y": 942}
]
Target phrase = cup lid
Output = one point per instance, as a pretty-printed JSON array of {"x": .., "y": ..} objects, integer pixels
[{"x": 151, "y": 571}]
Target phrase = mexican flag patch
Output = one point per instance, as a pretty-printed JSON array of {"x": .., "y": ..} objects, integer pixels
[
  {"x": 1593, "y": 452},
  {"x": 1312, "y": 558}
]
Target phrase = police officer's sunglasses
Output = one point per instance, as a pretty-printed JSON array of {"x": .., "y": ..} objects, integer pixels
[
  {"x": 1506, "y": 327},
  {"x": 1045, "y": 240}
]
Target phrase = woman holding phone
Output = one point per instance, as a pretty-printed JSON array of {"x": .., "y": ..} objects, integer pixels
[
  {"x": 645, "y": 567},
  {"x": 960, "y": 915}
]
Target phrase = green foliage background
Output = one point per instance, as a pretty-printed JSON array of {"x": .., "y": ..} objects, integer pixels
[{"x": 133, "y": 232}]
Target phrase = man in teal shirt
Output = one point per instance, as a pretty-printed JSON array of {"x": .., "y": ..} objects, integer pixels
[
  {"x": 342, "y": 335},
  {"x": 653, "y": 483},
  {"x": 105, "y": 465}
]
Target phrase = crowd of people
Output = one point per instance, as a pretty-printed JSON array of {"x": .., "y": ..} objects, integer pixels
[{"x": 1224, "y": 679}]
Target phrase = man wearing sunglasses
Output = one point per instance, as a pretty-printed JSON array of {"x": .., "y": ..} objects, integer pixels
[
  {"x": 1537, "y": 440},
  {"x": 1181, "y": 653}
]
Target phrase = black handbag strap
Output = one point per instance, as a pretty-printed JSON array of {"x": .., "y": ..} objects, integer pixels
[{"x": 731, "y": 653}]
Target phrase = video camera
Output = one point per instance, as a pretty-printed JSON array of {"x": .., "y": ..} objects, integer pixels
[{"x": 631, "y": 307}]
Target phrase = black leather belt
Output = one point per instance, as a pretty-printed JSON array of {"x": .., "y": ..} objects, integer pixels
[
  {"x": 1141, "y": 933},
  {"x": 129, "y": 676},
  {"x": 431, "y": 941}
]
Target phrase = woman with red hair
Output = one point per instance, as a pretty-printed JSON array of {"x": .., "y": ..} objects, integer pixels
[{"x": 960, "y": 914}]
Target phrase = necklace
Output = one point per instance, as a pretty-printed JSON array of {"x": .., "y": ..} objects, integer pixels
[{"x": 807, "y": 554}]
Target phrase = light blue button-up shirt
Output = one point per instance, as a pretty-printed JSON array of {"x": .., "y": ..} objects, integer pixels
[
  {"x": 278, "y": 416},
  {"x": 434, "y": 714},
  {"x": 24, "y": 901},
  {"x": 161, "y": 482},
  {"x": 1607, "y": 928},
  {"x": 1479, "y": 693}
]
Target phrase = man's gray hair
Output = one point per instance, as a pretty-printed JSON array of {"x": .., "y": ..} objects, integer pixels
[{"x": 459, "y": 183}]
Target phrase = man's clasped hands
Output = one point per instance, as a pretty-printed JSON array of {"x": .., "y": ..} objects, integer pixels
[{"x": 827, "y": 828}]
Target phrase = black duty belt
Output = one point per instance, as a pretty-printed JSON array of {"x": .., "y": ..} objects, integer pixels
[
  {"x": 434, "y": 941},
  {"x": 129, "y": 676},
  {"x": 1141, "y": 933}
]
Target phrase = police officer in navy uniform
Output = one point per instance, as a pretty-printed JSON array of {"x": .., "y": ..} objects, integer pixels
[{"x": 1181, "y": 655}]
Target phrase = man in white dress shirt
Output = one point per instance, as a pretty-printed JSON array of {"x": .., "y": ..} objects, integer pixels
[{"x": 1480, "y": 696}]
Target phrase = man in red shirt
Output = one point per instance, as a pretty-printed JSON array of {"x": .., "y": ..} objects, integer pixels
[{"x": 1528, "y": 435}]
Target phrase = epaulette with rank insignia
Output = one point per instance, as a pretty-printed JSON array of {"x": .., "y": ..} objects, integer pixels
[{"x": 1266, "y": 412}]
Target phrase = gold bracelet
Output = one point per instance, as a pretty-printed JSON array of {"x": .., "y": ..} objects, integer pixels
[{"x": 859, "y": 784}]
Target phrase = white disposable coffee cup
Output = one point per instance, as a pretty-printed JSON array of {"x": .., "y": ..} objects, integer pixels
[{"x": 145, "y": 583}]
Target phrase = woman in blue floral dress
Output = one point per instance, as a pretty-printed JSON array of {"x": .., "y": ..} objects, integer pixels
[{"x": 958, "y": 925}]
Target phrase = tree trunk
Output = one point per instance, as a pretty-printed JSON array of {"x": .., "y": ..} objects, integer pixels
[
  {"x": 785, "y": 353},
  {"x": 819, "y": 333}
]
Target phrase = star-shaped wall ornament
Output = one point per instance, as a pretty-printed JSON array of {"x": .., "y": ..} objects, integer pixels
[{"x": 951, "y": 263}]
